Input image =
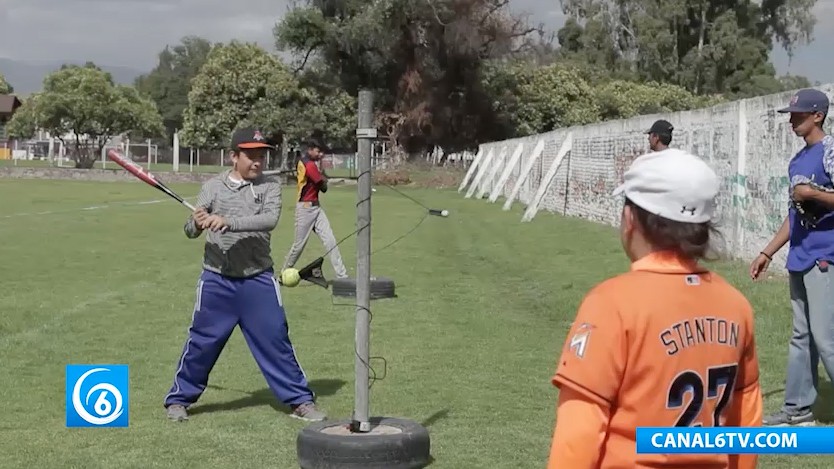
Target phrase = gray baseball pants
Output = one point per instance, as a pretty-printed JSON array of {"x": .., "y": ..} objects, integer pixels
[
  {"x": 812, "y": 300},
  {"x": 311, "y": 218}
]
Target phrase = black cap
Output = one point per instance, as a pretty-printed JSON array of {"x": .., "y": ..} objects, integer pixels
[
  {"x": 248, "y": 138},
  {"x": 661, "y": 127}
]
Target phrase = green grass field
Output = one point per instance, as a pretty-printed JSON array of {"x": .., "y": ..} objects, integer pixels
[{"x": 471, "y": 342}]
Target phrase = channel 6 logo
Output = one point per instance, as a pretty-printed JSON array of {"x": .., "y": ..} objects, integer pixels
[{"x": 97, "y": 396}]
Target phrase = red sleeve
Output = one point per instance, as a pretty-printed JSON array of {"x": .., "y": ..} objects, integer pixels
[{"x": 313, "y": 172}]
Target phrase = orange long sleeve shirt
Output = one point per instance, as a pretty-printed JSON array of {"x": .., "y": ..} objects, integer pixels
[{"x": 668, "y": 343}]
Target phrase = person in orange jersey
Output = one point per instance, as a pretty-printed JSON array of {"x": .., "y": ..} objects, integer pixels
[{"x": 668, "y": 343}]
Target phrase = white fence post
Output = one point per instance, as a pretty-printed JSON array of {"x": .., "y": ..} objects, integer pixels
[
  {"x": 480, "y": 172},
  {"x": 740, "y": 179},
  {"x": 525, "y": 173},
  {"x": 508, "y": 169},
  {"x": 176, "y": 158},
  {"x": 472, "y": 167},
  {"x": 496, "y": 165},
  {"x": 567, "y": 144}
]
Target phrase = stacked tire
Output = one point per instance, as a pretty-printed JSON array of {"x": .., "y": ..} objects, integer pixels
[{"x": 381, "y": 287}]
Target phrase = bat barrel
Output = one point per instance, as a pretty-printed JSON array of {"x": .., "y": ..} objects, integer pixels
[{"x": 145, "y": 176}]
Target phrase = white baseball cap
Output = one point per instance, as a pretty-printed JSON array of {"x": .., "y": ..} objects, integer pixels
[{"x": 672, "y": 184}]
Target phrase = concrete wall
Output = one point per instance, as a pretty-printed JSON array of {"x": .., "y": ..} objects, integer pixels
[
  {"x": 747, "y": 143},
  {"x": 104, "y": 175}
]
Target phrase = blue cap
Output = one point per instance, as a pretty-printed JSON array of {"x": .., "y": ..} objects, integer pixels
[{"x": 808, "y": 100}]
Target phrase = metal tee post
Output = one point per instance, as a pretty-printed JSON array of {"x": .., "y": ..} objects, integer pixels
[{"x": 365, "y": 133}]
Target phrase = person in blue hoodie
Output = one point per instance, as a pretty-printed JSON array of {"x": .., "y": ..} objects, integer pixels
[{"x": 809, "y": 227}]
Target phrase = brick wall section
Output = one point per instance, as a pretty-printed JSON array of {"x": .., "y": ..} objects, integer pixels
[{"x": 747, "y": 143}]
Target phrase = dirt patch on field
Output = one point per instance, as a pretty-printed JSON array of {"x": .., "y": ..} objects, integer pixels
[{"x": 420, "y": 175}]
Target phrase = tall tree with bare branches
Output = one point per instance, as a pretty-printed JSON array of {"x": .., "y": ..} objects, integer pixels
[{"x": 424, "y": 59}]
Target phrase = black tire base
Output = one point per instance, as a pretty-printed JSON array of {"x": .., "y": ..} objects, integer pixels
[
  {"x": 409, "y": 449},
  {"x": 381, "y": 287}
]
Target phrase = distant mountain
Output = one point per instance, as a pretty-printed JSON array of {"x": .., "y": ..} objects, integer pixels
[{"x": 27, "y": 77}]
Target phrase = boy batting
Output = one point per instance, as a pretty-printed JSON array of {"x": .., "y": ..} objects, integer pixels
[
  {"x": 667, "y": 344},
  {"x": 238, "y": 209},
  {"x": 309, "y": 216}
]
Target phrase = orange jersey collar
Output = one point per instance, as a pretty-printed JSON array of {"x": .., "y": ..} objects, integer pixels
[{"x": 666, "y": 262}]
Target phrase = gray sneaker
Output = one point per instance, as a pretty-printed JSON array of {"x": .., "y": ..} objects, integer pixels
[
  {"x": 784, "y": 419},
  {"x": 177, "y": 413},
  {"x": 308, "y": 412}
]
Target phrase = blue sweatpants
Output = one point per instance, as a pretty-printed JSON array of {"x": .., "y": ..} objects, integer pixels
[{"x": 254, "y": 304}]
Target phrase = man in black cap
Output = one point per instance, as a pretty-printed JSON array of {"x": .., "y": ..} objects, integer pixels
[
  {"x": 238, "y": 209},
  {"x": 660, "y": 135},
  {"x": 309, "y": 216}
]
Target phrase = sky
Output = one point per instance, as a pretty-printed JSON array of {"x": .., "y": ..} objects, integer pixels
[{"x": 131, "y": 33}]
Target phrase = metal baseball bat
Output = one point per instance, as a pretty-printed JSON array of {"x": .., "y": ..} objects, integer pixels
[{"x": 145, "y": 176}]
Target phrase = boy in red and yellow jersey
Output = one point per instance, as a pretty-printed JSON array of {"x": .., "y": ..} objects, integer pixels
[{"x": 309, "y": 216}]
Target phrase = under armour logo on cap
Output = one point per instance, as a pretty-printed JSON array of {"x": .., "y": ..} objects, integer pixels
[
  {"x": 258, "y": 136},
  {"x": 691, "y": 210}
]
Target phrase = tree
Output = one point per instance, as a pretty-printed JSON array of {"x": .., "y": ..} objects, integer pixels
[
  {"x": 552, "y": 97},
  {"x": 239, "y": 84},
  {"x": 243, "y": 85},
  {"x": 500, "y": 79},
  {"x": 422, "y": 58},
  {"x": 169, "y": 83},
  {"x": 706, "y": 46},
  {"x": 25, "y": 122},
  {"x": 5, "y": 86},
  {"x": 619, "y": 99},
  {"x": 540, "y": 99},
  {"x": 794, "y": 82},
  {"x": 326, "y": 107},
  {"x": 82, "y": 104}
]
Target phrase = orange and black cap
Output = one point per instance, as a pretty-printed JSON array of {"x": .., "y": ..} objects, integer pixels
[{"x": 248, "y": 138}]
